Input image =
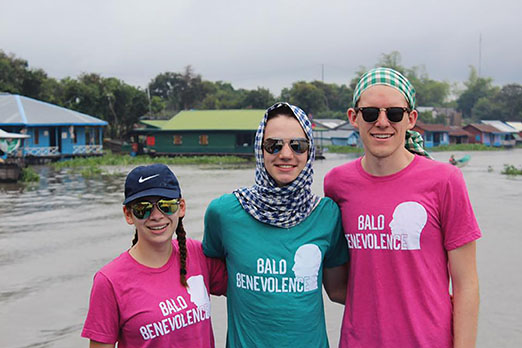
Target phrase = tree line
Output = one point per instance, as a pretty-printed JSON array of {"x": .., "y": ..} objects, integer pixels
[{"x": 122, "y": 105}]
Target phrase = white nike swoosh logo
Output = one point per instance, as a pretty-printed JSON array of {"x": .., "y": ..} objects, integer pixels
[{"x": 142, "y": 179}]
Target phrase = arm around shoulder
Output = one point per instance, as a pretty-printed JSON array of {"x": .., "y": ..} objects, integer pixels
[{"x": 335, "y": 281}]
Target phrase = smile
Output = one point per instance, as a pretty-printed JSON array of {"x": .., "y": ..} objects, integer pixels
[
  {"x": 382, "y": 136},
  {"x": 157, "y": 228}
]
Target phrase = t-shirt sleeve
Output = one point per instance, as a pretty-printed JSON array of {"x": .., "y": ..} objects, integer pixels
[
  {"x": 459, "y": 224},
  {"x": 328, "y": 186},
  {"x": 102, "y": 323},
  {"x": 337, "y": 254},
  {"x": 217, "y": 276},
  {"x": 212, "y": 242}
]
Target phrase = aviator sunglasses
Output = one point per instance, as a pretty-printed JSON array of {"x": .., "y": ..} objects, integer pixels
[
  {"x": 142, "y": 210},
  {"x": 371, "y": 114},
  {"x": 275, "y": 145}
]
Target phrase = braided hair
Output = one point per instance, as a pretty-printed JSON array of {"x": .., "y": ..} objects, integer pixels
[{"x": 182, "y": 245}]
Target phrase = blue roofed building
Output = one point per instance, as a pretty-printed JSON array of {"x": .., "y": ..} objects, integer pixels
[{"x": 54, "y": 131}]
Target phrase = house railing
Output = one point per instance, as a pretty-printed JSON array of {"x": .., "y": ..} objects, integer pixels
[
  {"x": 42, "y": 151},
  {"x": 87, "y": 149}
]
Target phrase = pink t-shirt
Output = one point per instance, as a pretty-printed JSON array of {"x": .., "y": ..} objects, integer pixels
[
  {"x": 139, "y": 306},
  {"x": 399, "y": 229}
]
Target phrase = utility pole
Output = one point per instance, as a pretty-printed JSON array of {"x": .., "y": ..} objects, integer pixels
[
  {"x": 150, "y": 102},
  {"x": 322, "y": 73},
  {"x": 480, "y": 54}
]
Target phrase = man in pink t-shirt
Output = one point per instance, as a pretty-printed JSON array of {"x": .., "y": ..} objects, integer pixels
[{"x": 410, "y": 229}]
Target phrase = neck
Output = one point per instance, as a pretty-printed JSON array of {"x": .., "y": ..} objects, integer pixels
[
  {"x": 154, "y": 256},
  {"x": 383, "y": 166}
]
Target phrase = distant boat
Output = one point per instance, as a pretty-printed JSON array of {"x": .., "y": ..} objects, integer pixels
[{"x": 460, "y": 162}]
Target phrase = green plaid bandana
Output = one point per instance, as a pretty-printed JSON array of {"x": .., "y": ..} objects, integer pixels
[
  {"x": 388, "y": 77},
  {"x": 415, "y": 144}
]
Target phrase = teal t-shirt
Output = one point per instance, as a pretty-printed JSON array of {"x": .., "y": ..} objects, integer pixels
[{"x": 274, "y": 294}]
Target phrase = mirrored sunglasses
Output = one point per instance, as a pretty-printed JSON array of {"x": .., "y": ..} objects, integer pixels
[
  {"x": 371, "y": 114},
  {"x": 142, "y": 210},
  {"x": 275, "y": 145}
]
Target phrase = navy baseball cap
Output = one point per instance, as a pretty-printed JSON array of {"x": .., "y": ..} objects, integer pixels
[{"x": 152, "y": 180}]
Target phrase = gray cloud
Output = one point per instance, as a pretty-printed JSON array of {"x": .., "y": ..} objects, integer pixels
[{"x": 269, "y": 44}]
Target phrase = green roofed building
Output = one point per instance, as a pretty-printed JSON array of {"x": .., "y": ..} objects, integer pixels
[{"x": 208, "y": 132}]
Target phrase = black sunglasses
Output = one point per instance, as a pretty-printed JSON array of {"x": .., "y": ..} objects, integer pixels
[
  {"x": 371, "y": 114},
  {"x": 275, "y": 145},
  {"x": 142, "y": 210}
]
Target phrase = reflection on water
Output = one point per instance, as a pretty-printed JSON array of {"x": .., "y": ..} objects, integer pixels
[{"x": 56, "y": 234}]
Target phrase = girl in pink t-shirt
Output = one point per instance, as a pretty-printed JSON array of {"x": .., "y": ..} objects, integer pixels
[{"x": 156, "y": 294}]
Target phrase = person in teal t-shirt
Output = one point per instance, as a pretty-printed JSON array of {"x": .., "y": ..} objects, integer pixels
[{"x": 280, "y": 241}]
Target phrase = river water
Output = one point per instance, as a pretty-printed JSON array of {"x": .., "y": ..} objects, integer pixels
[{"x": 56, "y": 234}]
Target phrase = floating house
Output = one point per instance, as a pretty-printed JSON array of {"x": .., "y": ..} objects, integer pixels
[
  {"x": 458, "y": 135},
  {"x": 518, "y": 127},
  {"x": 484, "y": 134},
  {"x": 508, "y": 132},
  {"x": 335, "y": 132},
  {"x": 198, "y": 132},
  {"x": 55, "y": 132},
  {"x": 433, "y": 134}
]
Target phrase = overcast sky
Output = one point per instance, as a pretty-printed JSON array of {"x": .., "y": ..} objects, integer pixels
[{"x": 263, "y": 43}]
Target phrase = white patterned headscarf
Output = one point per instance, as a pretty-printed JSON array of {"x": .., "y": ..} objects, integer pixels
[{"x": 284, "y": 206}]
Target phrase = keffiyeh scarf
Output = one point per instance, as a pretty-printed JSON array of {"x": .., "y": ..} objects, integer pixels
[{"x": 284, "y": 206}]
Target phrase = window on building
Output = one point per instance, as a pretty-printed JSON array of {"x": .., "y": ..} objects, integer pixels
[
  {"x": 178, "y": 140},
  {"x": 36, "y": 136},
  {"x": 151, "y": 140},
  {"x": 244, "y": 139},
  {"x": 203, "y": 140}
]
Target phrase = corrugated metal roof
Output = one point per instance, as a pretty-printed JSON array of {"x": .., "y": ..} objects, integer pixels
[
  {"x": 501, "y": 126},
  {"x": 516, "y": 125},
  {"x": 330, "y": 123},
  {"x": 215, "y": 120},
  {"x": 486, "y": 128},
  {"x": 20, "y": 110},
  {"x": 154, "y": 123},
  {"x": 457, "y": 131},
  {"x": 432, "y": 127}
]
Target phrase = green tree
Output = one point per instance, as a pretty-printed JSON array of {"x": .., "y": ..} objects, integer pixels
[
  {"x": 180, "y": 91},
  {"x": 307, "y": 96},
  {"x": 510, "y": 97},
  {"x": 337, "y": 98},
  {"x": 17, "y": 78},
  {"x": 476, "y": 88},
  {"x": 259, "y": 98},
  {"x": 487, "y": 108},
  {"x": 222, "y": 95},
  {"x": 107, "y": 98}
]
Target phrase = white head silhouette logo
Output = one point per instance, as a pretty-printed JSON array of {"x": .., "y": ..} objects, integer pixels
[
  {"x": 307, "y": 261},
  {"x": 409, "y": 218},
  {"x": 198, "y": 292}
]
